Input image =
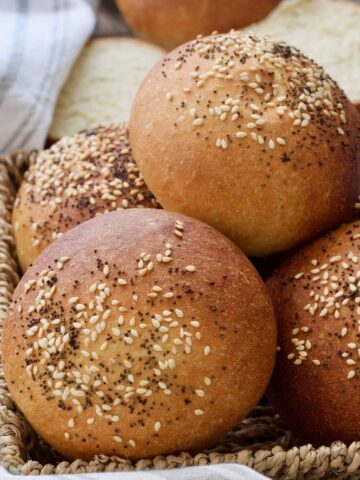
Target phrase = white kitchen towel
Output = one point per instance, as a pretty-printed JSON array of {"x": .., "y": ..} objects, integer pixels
[
  {"x": 39, "y": 42},
  {"x": 212, "y": 472}
]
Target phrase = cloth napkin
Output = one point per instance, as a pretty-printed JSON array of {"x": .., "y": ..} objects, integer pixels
[
  {"x": 39, "y": 42},
  {"x": 210, "y": 472}
]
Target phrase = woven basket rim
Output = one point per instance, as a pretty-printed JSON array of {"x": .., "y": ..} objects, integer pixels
[{"x": 252, "y": 444}]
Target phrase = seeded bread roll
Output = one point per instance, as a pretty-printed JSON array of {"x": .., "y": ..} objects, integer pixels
[
  {"x": 170, "y": 22},
  {"x": 77, "y": 178},
  {"x": 142, "y": 332},
  {"x": 250, "y": 136},
  {"x": 316, "y": 295}
]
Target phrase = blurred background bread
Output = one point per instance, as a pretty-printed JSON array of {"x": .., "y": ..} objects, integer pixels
[
  {"x": 170, "y": 23},
  {"x": 77, "y": 178},
  {"x": 316, "y": 295},
  {"x": 249, "y": 135},
  {"x": 325, "y": 30},
  {"x": 102, "y": 84},
  {"x": 142, "y": 332}
]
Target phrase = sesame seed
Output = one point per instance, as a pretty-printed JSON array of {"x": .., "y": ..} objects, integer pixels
[
  {"x": 198, "y": 412},
  {"x": 198, "y": 122},
  {"x": 190, "y": 268},
  {"x": 240, "y": 134},
  {"x": 116, "y": 331},
  {"x": 207, "y": 381},
  {"x": 73, "y": 300}
]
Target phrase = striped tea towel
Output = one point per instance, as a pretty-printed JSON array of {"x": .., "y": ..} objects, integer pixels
[
  {"x": 211, "y": 472},
  {"x": 39, "y": 42}
]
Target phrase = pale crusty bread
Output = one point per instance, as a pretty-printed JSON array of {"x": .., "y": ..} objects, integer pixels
[
  {"x": 316, "y": 295},
  {"x": 102, "y": 84},
  {"x": 150, "y": 333},
  {"x": 250, "y": 136},
  {"x": 325, "y": 30}
]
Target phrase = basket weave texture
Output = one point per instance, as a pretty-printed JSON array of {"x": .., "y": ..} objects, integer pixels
[{"x": 260, "y": 442}]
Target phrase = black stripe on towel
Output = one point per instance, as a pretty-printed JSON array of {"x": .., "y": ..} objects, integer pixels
[
  {"x": 17, "y": 50},
  {"x": 41, "y": 98}
]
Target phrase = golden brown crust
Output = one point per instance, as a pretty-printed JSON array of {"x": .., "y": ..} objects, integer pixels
[
  {"x": 170, "y": 23},
  {"x": 77, "y": 178},
  {"x": 316, "y": 382},
  {"x": 251, "y": 137},
  {"x": 189, "y": 341}
]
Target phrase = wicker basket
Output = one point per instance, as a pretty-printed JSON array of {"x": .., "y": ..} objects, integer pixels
[{"x": 260, "y": 442}]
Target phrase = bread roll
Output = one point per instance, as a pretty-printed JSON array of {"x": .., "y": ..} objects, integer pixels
[
  {"x": 316, "y": 384},
  {"x": 142, "y": 332},
  {"x": 170, "y": 23},
  {"x": 325, "y": 30},
  {"x": 77, "y": 178},
  {"x": 250, "y": 136},
  {"x": 102, "y": 84}
]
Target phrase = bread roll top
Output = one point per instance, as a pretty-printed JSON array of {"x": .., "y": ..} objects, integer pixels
[
  {"x": 170, "y": 23},
  {"x": 316, "y": 295},
  {"x": 79, "y": 177},
  {"x": 248, "y": 132},
  {"x": 142, "y": 332}
]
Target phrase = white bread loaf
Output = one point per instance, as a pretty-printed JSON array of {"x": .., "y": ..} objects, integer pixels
[
  {"x": 325, "y": 30},
  {"x": 102, "y": 84}
]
